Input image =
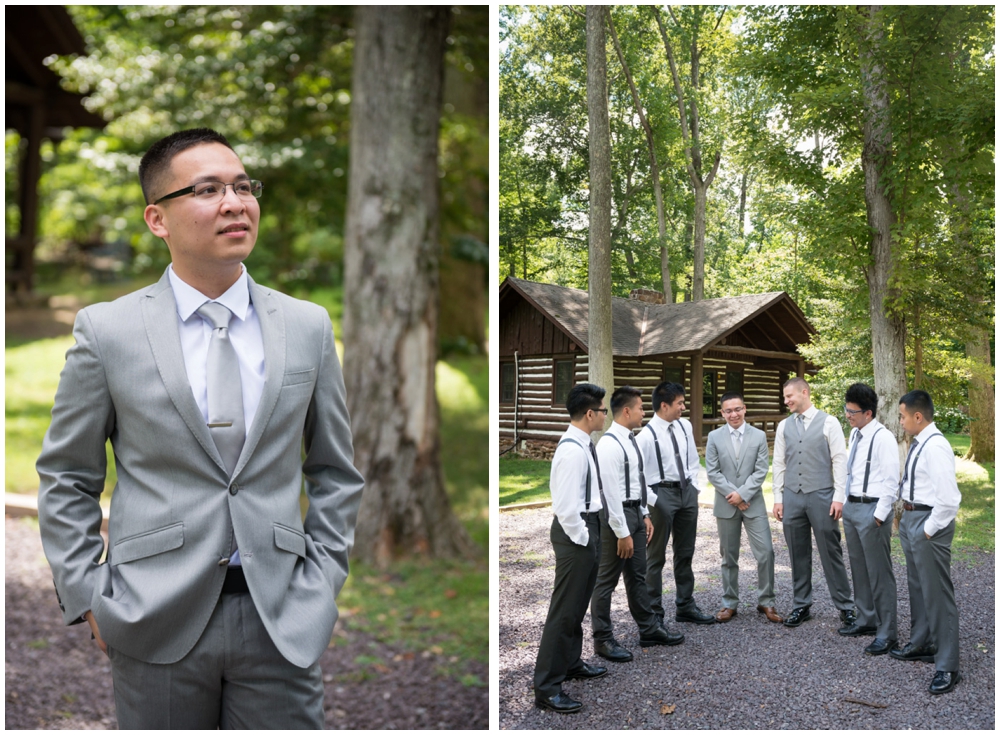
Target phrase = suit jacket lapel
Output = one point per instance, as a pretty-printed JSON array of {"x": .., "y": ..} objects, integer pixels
[
  {"x": 159, "y": 315},
  {"x": 272, "y": 329}
]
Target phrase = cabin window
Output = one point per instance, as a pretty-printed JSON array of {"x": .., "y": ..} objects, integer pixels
[
  {"x": 708, "y": 395},
  {"x": 673, "y": 374},
  {"x": 507, "y": 382},
  {"x": 734, "y": 381},
  {"x": 562, "y": 380}
]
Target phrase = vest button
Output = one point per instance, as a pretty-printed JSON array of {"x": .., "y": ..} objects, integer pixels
[{"x": 234, "y": 488}]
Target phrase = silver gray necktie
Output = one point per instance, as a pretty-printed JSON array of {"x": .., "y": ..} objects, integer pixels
[
  {"x": 850, "y": 460},
  {"x": 225, "y": 390}
]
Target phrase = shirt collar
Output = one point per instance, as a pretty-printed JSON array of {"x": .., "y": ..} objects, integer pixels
[
  {"x": 809, "y": 413},
  {"x": 870, "y": 428},
  {"x": 740, "y": 430},
  {"x": 574, "y": 433},
  {"x": 619, "y": 429},
  {"x": 926, "y": 433},
  {"x": 189, "y": 299},
  {"x": 665, "y": 424}
]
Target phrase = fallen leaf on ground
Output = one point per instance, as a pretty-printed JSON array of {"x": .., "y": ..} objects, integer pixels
[{"x": 668, "y": 709}]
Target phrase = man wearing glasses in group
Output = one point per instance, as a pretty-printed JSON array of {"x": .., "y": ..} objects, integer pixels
[
  {"x": 872, "y": 478},
  {"x": 216, "y": 599}
]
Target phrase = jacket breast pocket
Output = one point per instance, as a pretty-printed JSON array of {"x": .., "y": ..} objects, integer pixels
[
  {"x": 148, "y": 543},
  {"x": 298, "y": 377},
  {"x": 288, "y": 539}
]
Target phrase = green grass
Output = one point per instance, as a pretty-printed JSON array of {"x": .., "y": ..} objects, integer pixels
[{"x": 527, "y": 480}]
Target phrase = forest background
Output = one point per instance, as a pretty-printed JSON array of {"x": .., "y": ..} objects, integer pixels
[
  {"x": 737, "y": 137},
  {"x": 278, "y": 82}
]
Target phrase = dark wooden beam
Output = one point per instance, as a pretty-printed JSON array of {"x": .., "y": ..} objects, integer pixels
[
  {"x": 697, "y": 380},
  {"x": 793, "y": 356}
]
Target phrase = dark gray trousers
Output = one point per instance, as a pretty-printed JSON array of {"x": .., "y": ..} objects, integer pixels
[
  {"x": 233, "y": 679},
  {"x": 871, "y": 568},
  {"x": 676, "y": 513},
  {"x": 933, "y": 613},
  {"x": 562, "y": 636},
  {"x": 611, "y": 570},
  {"x": 806, "y": 514}
]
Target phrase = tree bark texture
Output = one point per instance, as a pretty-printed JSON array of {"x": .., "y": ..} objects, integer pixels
[
  {"x": 601, "y": 371},
  {"x": 691, "y": 134},
  {"x": 982, "y": 400},
  {"x": 654, "y": 168},
  {"x": 391, "y": 260},
  {"x": 888, "y": 330}
]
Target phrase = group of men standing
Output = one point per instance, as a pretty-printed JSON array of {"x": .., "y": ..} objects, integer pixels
[{"x": 617, "y": 505}]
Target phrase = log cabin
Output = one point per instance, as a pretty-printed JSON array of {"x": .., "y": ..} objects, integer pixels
[{"x": 744, "y": 343}]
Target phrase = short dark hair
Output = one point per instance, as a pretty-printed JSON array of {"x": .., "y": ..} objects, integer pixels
[
  {"x": 796, "y": 381},
  {"x": 919, "y": 400},
  {"x": 623, "y": 397},
  {"x": 156, "y": 162},
  {"x": 730, "y": 395},
  {"x": 863, "y": 396},
  {"x": 582, "y": 398},
  {"x": 666, "y": 392}
]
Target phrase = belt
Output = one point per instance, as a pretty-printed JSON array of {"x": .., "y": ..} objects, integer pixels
[
  {"x": 631, "y": 503},
  {"x": 670, "y": 484},
  {"x": 917, "y": 506},
  {"x": 861, "y": 499},
  {"x": 235, "y": 581},
  {"x": 592, "y": 514}
]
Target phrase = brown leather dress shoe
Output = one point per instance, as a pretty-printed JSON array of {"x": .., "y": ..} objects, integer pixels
[
  {"x": 725, "y": 614},
  {"x": 771, "y": 614}
]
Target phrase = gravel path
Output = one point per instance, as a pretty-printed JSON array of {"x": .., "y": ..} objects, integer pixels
[
  {"x": 747, "y": 673},
  {"x": 56, "y": 678}
]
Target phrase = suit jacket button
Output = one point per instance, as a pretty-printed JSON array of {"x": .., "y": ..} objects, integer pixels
[
  {"x": 224, "y": 562},
  {"x": 234, "y": 488}
]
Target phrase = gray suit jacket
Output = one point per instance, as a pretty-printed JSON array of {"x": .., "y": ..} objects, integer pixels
[
  {"x": 170, "y": 527},
  {"x": 744, "y": 475}
]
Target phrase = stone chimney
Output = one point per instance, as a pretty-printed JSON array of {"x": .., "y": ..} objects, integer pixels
[{"x": 647, "y": 295}]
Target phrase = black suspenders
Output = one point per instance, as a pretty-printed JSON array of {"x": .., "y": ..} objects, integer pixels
[
  {"x": 600, "y": 487},
  {"x": 628, "y": 495},
  {"x": 868, "y": 463},
  {"x": 913, "y": 467}
]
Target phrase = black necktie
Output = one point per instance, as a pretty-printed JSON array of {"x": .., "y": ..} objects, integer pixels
[
  {"x": 642, "y": 476},
  {"x": 677, "y": 458}
]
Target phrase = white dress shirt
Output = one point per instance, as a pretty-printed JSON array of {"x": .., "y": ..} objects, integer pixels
[
  {"x": 244, "y": 334},
  {"x": 612, "y": 460},
  {"x": 934, "y": 483},
  {"x": 838, "y": 454},
  {"x": 684, "y": 435},
  {"x": 568, "y": 484},
  {"x": 883, "y": 477}
]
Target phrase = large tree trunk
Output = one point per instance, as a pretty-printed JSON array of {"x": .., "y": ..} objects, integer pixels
[
  {"x": 982, "y": 397},
  {"x": 654, "y": 168},
  {"x": 391, "y": 284},
  {"x": 601, "y": 370},
  {"x": 888, "y": 330}
]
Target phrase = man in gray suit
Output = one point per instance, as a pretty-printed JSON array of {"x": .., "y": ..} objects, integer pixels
[
  {"x": 736, "y": 462},
  {"x": 216, "y": 599}
]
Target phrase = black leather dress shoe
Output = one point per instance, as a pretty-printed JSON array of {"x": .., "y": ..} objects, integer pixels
[
  {"x": 879, "y": 646},
  {"x": 855, "y": 630},
  {"x": 561, "y": 703},
  {"x": 799, "y": 615},
  {"x": 944, "y": 681},
  {"x": 909, "y": 652},
  {"x": 661, "y": 637},
  {"x": 848, "y": 617},
  {"x": 612, "y": 650},
  {"x": 694, "y": 615},
  {"x": 586, "y": 671}
]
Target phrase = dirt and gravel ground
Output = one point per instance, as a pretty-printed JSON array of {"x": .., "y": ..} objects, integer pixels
[
  {"x": 747, "y": 673},
  {"x": 57, "y": 678}
]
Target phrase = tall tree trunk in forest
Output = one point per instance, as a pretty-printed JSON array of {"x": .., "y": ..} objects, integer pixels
[
  {"x": 982, "y": 400},
  {"x": 654, "y": 168},
  {"x": 391, "y": 284},
  {"x": 691, "y": 133},
  {"x": 601, "y": 371},
  {"x": 888, "y": 330}
]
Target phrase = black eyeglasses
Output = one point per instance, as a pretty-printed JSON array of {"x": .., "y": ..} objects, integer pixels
[
  {"x": 602, "y": 410},
  {"x": 852, "y": 412},
  {"x": 211, "y": 192}
]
